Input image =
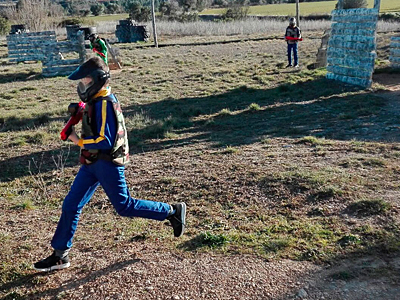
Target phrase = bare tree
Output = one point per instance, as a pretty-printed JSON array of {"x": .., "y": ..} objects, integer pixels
[{"x": 36, "y": 14}]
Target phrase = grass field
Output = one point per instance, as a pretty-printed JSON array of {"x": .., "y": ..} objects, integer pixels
[
  {"x": 306, "y": 8},
  {"x": 272, "y": 162},
  {"x": 107, "y": 18}
]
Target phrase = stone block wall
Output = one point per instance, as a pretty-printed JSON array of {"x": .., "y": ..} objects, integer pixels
[{"x": 352, "y": 44}]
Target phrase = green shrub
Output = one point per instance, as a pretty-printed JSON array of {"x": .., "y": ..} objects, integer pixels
[
  {"x": 349, "y": 4},
  {"x": 213, "y": 240},
  {"x": 236, "y": 13},
  {"x": 4, "y": 26},
  {"x": 369, "y": 207},
  {"x": 138, "y": 12},
  {"x": 97, "y": 9},
  {"x": 70, "y": 21},
  {"x": 393, "y": 16},
  {"x": 254, "y": 106}
]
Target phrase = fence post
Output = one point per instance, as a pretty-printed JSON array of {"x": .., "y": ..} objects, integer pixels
[
  {"x": 377, "y": 4},
  {"x": 153, "y": 19},
  {"x": 81, "y": 40}
]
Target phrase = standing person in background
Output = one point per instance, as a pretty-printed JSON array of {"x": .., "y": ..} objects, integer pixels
[
  {"x": 99, "y": 47},
  {"x": 292, "y": 37}
]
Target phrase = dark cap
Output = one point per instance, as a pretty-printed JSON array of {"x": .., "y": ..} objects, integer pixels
[{"x": 87, "y": 68}]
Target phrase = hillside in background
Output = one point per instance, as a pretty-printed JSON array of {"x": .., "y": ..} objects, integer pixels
[{"x": 306, "y": 8}]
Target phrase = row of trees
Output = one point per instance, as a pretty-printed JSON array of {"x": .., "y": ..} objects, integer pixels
[{"x": 46, "y": 14}]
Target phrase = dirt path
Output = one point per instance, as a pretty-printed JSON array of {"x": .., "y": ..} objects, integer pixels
[{"x": 146, "y": 272}]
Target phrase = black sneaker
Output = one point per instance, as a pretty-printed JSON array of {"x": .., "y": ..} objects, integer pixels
[
  {"x": 289, "y": 66},
  {"x": 178, "y": 219},
  {"x": 51, "y": 263}
]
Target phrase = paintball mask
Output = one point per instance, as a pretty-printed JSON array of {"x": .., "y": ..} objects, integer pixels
[
  {"x": 292, "y": 22},
  {"x": 92, "y": 37},
  {"x": 99, "y": 79}
]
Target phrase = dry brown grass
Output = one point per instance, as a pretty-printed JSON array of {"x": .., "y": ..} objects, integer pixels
[{"x": 270, "y": 162}]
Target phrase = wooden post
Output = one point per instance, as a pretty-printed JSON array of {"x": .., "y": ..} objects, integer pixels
[
  {"x": 297, "y": 13},
  {"x": 81, "y": 42},
  {"x": 153, "y": 17}
]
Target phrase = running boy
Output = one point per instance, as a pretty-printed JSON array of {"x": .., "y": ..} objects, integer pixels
[{"x": 104, "y": 152}]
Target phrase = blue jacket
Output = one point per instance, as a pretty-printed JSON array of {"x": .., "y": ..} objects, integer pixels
[{"x": 105, "y": 124}]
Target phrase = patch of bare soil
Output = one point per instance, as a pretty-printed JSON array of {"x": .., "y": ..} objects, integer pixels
[
  {"x": 391, "y": 82},
  {"x": 360, "y": 278},
  {"x": 142, "y": 271}
]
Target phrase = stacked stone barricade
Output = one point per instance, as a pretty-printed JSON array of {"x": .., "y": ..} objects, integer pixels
[
  {"x": 55, "y": 64},
  {"x": 128, "y": 32},
  {"x": 395, "y": 52},
  {"x": 72, "y": 31},
  {"x": 351, "y": 49},
  {"x": 58, "y": 58},
  {"x": 29, "y": 46}
]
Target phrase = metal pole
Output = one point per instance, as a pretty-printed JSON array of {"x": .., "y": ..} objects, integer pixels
[
  {"x": 377, "y": 4},
  {"x": 340, "y": 4},
  {"x": 297, "y": 13},
  {"x": 153, "y": 17}
]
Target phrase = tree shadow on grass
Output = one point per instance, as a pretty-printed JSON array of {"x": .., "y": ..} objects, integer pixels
[
  {"x": 25, "y": 76},
  {"x": 358, "y": 275},
  {"x": 18, "y": 124},
  {"x": 37, "y": 162},
  {"x": 321, "y": 108},
  {"x": 27, "y": 282}
]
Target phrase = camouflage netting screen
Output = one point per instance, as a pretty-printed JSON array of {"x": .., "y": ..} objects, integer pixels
[
  {"x": 351, "y": 49},
  {"x": 395, "y": 52}
]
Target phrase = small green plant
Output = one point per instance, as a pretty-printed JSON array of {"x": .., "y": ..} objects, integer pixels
[
  {"x": 313, "y": 141},
  {"x": 168, "y": 180},
  {"x": 374, "y": 162},
  {"x": 369, "y": 207},
  {"x": 225, "y": 112},
  {"x": 170, "y": 135},
  {"x": 18, "y": 141},
  {"x": 276, "y": 245},
  {"x": 37, "y": 138},
  {"x": 326, "y": 192},
  {"x": 213, "y": 240},
  {"x": 28, "y": 88},
  {"x": 26, "y": 205},
  {"x": 348, "y": 240},
  {"x": 254, "y": 107},
  {"x": 4, "y": 26},
  {"x": 230, "y": 150}
]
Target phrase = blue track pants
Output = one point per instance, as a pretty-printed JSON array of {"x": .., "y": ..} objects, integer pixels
[{"x": 112, "y": 178}]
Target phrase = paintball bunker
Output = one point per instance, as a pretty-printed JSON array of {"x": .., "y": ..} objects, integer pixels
[
  {"x": 18, "y": 28},
  {"x": 72, "y": 31},
  {"x": 129, "y": 32}
]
